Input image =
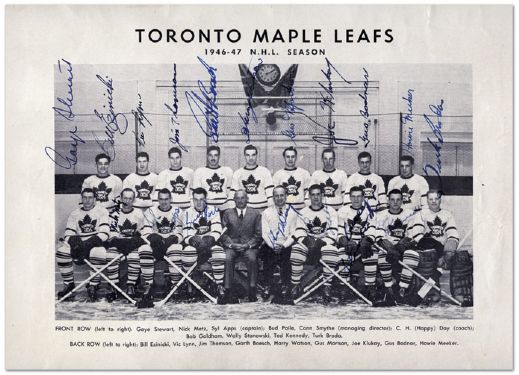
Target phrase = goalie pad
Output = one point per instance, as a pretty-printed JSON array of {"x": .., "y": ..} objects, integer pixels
[
  {"x": 462, "y": 278},
  {"x": 427, "y": 268}
]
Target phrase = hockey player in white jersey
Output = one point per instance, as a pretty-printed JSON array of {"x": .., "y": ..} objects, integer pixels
[
  {"x": 414, "y": 188},
  {"x": 177, "y": 179},
  {"x": 331, "y": 179},
  {"x": 371, "y": 183},
  {"x": 294, "y": 179},
  {"x": 216, "y": 180},
  {"x": 143, "y": 183},
  {"x": 106, "y": 186},
  {"x": 254, "y": 179}
]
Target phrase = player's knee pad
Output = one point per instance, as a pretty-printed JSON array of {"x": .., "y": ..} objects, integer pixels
[
  {"x": 412, "y": 257},
  {"x": 134, "y": 255},
  {"x": 145, "y": 250},
  {"x": 329, "y": 254},
  {"x": 64, "y": 249},
  {"x": 217, "y": 253},
  {"x": 98, "y": 253}
]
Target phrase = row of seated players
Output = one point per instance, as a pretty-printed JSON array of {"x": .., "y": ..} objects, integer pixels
[{"x": 281, "y": 234}]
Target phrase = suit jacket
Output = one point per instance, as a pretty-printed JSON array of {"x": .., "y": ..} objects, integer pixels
[{"x": 244, "y": 231}]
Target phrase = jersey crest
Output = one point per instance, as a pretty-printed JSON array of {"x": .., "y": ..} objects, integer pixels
[
  {"x": 165, "y": 226},
  {"x": 397, "y": 229},
  {"x": 369, "y": 189},
  {"x": 406, "y": 194},
  {"x": 179, "y": 185},
  {"x": 215, "y": 183},
  {"x": 87, "y": 225},
  {"x": 101, "y": 192},
  {"x": 128, "y": 229},
  {"x": 144, "y": 190},
  {"x": 356, "y": 225},
  {"x": 437, "y": 228},
  {"x": 202, "y": 227},
  {"x": 329, "y": 188},
  {"x": 316, "y": 226},
  {"x": 251, "y": 185},
  {"x": 292, "y": 186}
]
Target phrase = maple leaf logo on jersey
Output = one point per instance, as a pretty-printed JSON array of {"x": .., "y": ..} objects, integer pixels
[
  {"x": 128, "y": 229},
  {"x": 292, "y": 186},
  {"x": 215, "y": 183},
  {"x": 165, "y": 226},
  {"x": 101, "y": 192},
  {"x": 202, "y": 227},
  {"x": 144, "y": 190},
  {"x": 179, "y": 185},
  {"x": 397, "y": 229},
  {"x": 369, "y": 189},
  {"x": 316, "y": 226},
  {"x": 87, "y": 225},
  {"x": 406, "y": 194},
  {"x": 251, "y": 185},
  {"x": 437, "y": 227},
  {"x": 329, "y": 188},
  {"x": 356, "y": 225}
]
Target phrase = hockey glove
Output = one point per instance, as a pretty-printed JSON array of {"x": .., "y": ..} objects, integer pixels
[
  {"x": 351, "y": 248},
  {"x": 343, "y": 241},
  {"x": 76, "y": 247},
  {"x": 428, "y": 242},
  {"x": 157, "y": 245},
  {"x": 366, "y": 247},
  {"x": 195, "y": 241},
  {"x": 92, "y": 242},
  {"x": 171, "y": 240},
  {"x": 207, "y": 242}
]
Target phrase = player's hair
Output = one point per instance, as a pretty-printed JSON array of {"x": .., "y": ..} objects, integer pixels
[
  {"x": 328, "y": 150},
  {"x": 394, "y": 191},
  {"x": 103, "y": 156},
  {"x": 315, "y": 187},
  {"x": 356, "y": 188},
  {"x": 213, "y": 148},
  {"x": 407, "y": 158},
  {"x": 250, "y": 147},
  {"x": 87, "y": 190},
  {"x": 291, "y": 148},
  {"x": 200, "y": 190},
  {"x": 364, "y": 154},
  {"x": 174, "y": 150},
  {"x": 435, "y": 191},
  {"x": 127, "y": 189},
  {"x": 164, "y": 191},
  {"x": 279, "y": 187},
  {"x": 142, "y": 154}
]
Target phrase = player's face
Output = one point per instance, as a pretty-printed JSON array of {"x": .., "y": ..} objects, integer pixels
[
  {"x": 127, "y": 198},
  {"x": 175, "y": 160},
  {"x": 213, "y": 158},
  {"x": 316, "y": 198},
  {"x": 88, "y": 200},
  {"x": 164, "y": 201},
  {"x": 290, "y": 159},
  {"x": 199, "y": 202},
  {"x": 251, "y": 158},
  {"x": 365, "y": 164},
  {"x": 240, "y": 199},
  {"x": 356, "y": 198},
  {"x": 395, "y": 202},
  {"x": 142, "y": 165},
  {"x": 328, "y": 161},
  {"x": 406, "y": 168},
  {"x": 434, "y": 202},
  {"x": 102, "y": 167},
  {"x": 280, "y": 197}
]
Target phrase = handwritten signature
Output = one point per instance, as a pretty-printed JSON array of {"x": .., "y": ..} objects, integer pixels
[
  {"x": 436, "y": 127},
  {"x": 290, "y": 108},
  {"x": 408, "y": 117},
  {"x": 205, "y": 102},
  {"x": 142, "y": 121},
  {"x": 70, "y": 160},
  {"x": 175, "y": 139},
  {"x": 249, "y": 111},
  {"x": 283, "y": 220},
  {"x": 66, "y": 112},
  {"x": 365, "y": 111}
]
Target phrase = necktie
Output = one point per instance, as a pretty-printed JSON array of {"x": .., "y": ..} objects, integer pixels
[
  {"x": 241, "y": 214},
  {"x": 280, "y": 211}
]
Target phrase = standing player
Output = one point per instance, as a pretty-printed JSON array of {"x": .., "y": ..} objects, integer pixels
[
  {"x": 215, "y": 179},
  {"x": 295, "y": 180},
  {"x": 106, "y": 186},
  {"x": 254, "y": 179},
  {"x": 333, "y": 181},
  {"x": 316, "y": 236},
  {"x": 414, "y": 188},
  {"x": 177, "y": 179},
  {"x": 143, "y": 183},
  {"x": 371, "y": 184},
  {"x": 87, "y": 229}
]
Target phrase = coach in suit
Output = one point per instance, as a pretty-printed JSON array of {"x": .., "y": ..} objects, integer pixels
[{"x": 242, "y": 236}]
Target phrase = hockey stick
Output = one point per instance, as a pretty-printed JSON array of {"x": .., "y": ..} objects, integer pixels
[
  {"x": 89, "y": 278},
  {"x": 431, "y": 281},
  {"x": 210, "y": 297},
  {"x": 113, "y": 284},
  {"x": 181, "y": 281}
]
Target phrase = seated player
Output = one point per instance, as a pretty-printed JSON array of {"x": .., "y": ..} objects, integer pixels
[
  {"x": 125, "y": 238},
  {"x": 87, "y": 229},
  {"x": 316, "y": 235},
  {"x": 106, "y": 186},
  {"x": 163, "y": 231},
  {"x": 143, "y": 183},
  {"x": 357, "y": 231}
]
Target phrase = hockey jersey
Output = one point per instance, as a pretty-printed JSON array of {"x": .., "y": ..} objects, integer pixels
[
  {"x": 321, "y": 223},
  {"x": 414, "y": 191},
  {"x": 373, "y": 187},
  {"x": 217, "y": 183},
  {"x": 165, "y": 223},
  {"x": 144, "y": 186},
  {"x": 296, "y": 183},
  {"x": 179, "y": 182},
  {"x": 88, "y": 223},
  {"x": 440, "y": 225},
  {"x": 357, "y": 223},
  {"x": 334, "y": 185},
  {"x": 394, "y": 227},
  {"x": 106, "y": 189},
  {"x": 278, "y": 225},
  {"x": 126, "y": 224},
  {"x": 202, "y": 223},
  {"x": 257, "y": 182}
]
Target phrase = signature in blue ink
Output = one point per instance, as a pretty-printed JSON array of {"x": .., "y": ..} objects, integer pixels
[
  {"x": 205, "y": 102},
  {"x": 207, "y": 213},
  {"x": 283, "y": 219},
  {"x": 436, "y": 127},
  {"x": 175, "y": 139},
  {"x": 409, "y": 143},
  {"x": 113, "y": 122},
  {"x": 408, "y": 116},
  {"x": 249, "y": 111},
  {"x": 290, "y": 108},
  {"x": 66, "y": 161},
  {"x": 66, "y": 112},
  {"x": 142, "y": 120},
  {"x": 365, "y": 111}
]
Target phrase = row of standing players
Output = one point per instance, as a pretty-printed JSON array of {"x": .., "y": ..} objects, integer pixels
[{"x": 288, "y": 220}]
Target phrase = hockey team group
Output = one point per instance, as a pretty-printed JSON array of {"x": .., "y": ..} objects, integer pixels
[{"x": 231, "y": 237}]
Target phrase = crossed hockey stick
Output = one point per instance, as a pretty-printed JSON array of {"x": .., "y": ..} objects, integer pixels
[
  {"x": 112, "y": 283},
  {"x": 181, "y": 281}
]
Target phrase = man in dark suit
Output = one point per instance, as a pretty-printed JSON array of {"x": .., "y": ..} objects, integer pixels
[{"x": 242, "y": 236}]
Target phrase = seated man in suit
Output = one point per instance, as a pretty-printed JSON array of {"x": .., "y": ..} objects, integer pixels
[{"x": 242, "y": 236}]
